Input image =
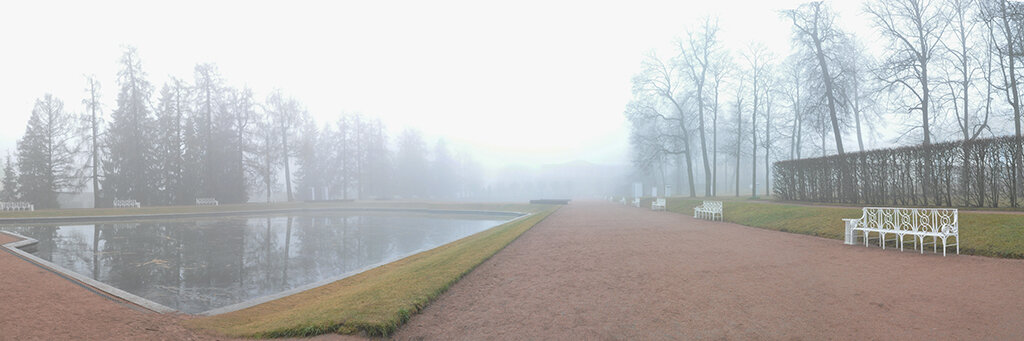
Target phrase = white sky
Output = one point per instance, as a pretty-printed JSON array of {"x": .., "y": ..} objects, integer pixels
[{"x": 519, "y": 82}]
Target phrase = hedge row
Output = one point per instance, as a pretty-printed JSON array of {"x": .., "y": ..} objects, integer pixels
[{"x": 979, "y": 173}]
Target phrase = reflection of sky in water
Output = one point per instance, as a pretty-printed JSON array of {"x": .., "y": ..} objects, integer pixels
[{"x": 198, "y": 265}]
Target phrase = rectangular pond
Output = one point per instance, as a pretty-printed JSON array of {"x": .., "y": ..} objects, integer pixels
[{"x": 196, "y": 265}]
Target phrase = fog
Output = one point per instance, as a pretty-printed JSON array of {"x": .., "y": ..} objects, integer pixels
[{"x": 458, "y": 100}]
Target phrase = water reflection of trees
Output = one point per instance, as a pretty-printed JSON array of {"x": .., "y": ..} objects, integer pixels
[{"x": 197, "y": 265}]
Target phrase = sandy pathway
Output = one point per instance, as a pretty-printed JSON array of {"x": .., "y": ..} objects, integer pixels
[
  {"x": 36, "y": 304},
  {"x": 605, "y": 271}
]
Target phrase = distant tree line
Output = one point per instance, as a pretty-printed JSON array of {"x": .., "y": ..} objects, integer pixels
[
  {"x": 976, "y": 173},
  {"x": 949, "y": 68},
  {"x": 208, "y": 139}
]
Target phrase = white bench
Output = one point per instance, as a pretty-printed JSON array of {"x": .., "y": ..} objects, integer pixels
[
  {"x": 206, "y": 202},
  {"x": 126, "y": 203},
  {"x": 918, "y": 223},
  {"x": 708, "y": 210},
  {"x": 17, "y": 206},
  {"x": 658, "y": 204}
]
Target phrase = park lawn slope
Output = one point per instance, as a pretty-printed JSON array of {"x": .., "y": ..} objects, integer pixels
[
  {"x": 984, "y": 233},
  {"x": 375, "y": 302}
]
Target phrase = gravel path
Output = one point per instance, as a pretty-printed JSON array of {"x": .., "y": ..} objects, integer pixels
[
  {"x": 36, "y": 304},
  {"x": 605, "y": 271}
]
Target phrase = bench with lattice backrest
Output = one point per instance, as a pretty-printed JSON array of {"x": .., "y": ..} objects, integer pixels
[
  {"x": 16, "y": 206},
  {"x": 126, "y": 203},
  {"x": 917, "y": 223},
  {"x": 207, "y": 202},
  {"x": 708, "y": 210},
  {"x": 658, "y": 204}
]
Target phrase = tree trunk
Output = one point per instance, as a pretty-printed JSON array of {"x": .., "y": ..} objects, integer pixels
[
  {"x": 287, "y": 166},
  {"x": 703, "y": 143},
  {"x": 714, "y": 147},
  {"x": 753, "y": 134},
  {"x": 95, "y": 146}
]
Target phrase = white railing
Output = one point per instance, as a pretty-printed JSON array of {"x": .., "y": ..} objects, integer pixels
[
  {"x": 658, "y": 204},
  {"x": 206, "y": 202},
  {"x": 708, "y": 210},
  {"x": 918, "y": 223},
  {"x": 17, "y": 206},
  {"x": 126, "y": 203}
]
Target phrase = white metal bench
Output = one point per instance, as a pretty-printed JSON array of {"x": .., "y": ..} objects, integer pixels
[
  {"x": 126, "y": 203},
  {"x": 708, "y": 210},
  {"x": 17, "y": 206},
  {"x": 918, "y": 223},
  {"x": 658, "y": 204},
  {"x": 636, "y": 202},
  {"x": 206, "y": 202}
]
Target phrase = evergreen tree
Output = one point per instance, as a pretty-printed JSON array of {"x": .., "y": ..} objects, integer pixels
[
  {"x": 46, "y": 154},
  {"x": 129, "y": 171},
  {"x": 171, "y": 113},
  {"x": 10, "y": 181},
  {"x": 412, "y": 173}
]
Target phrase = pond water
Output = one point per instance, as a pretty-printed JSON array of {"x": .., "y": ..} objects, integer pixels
[{"x": 195, "y": 265}]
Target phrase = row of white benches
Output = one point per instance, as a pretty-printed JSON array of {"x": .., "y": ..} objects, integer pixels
[
  {"x": 16, "y": 206},
  {"x": 917, "y": 224},
  {"x": 707, "y": 210},
  {"x": 130, "y": 203}
]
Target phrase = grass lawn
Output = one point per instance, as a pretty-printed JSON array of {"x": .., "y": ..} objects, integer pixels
[
  {"x": 378, "y": 301},
  {"x": 984, "y": 234}
]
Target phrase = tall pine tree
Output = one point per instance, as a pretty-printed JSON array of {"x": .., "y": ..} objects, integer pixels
[{"x": 129, "y": 169}]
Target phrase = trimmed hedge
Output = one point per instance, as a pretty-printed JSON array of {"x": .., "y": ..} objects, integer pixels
[{"x": 978, "y": 173}]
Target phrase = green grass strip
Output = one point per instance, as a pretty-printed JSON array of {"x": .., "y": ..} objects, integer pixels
[
  {"x": 375, "y": 302},
  {"x": 984, "y": 234}
]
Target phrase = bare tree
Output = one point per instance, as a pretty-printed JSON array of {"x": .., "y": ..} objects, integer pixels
[
  {"x": 858, "y": 93},
  {"x": 92, "y": 104},
  {"x": 757, "y": 57},
  {"x": 738, "y": 107},
  {"x": 769, "y": 124},
  {"x": 697, "y": 52},
  {"x": 965, "y": 63},
  {"x": 814, "y": 29},
  {"x": 719, "y": 72},
  {"x": 1002, "y": 18},
  {"x": 914, "y": 29},
  {"x": 287, "y": 115},
  {"x": 661, "y": 80},
  {"x": 791, "y": 87}
]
